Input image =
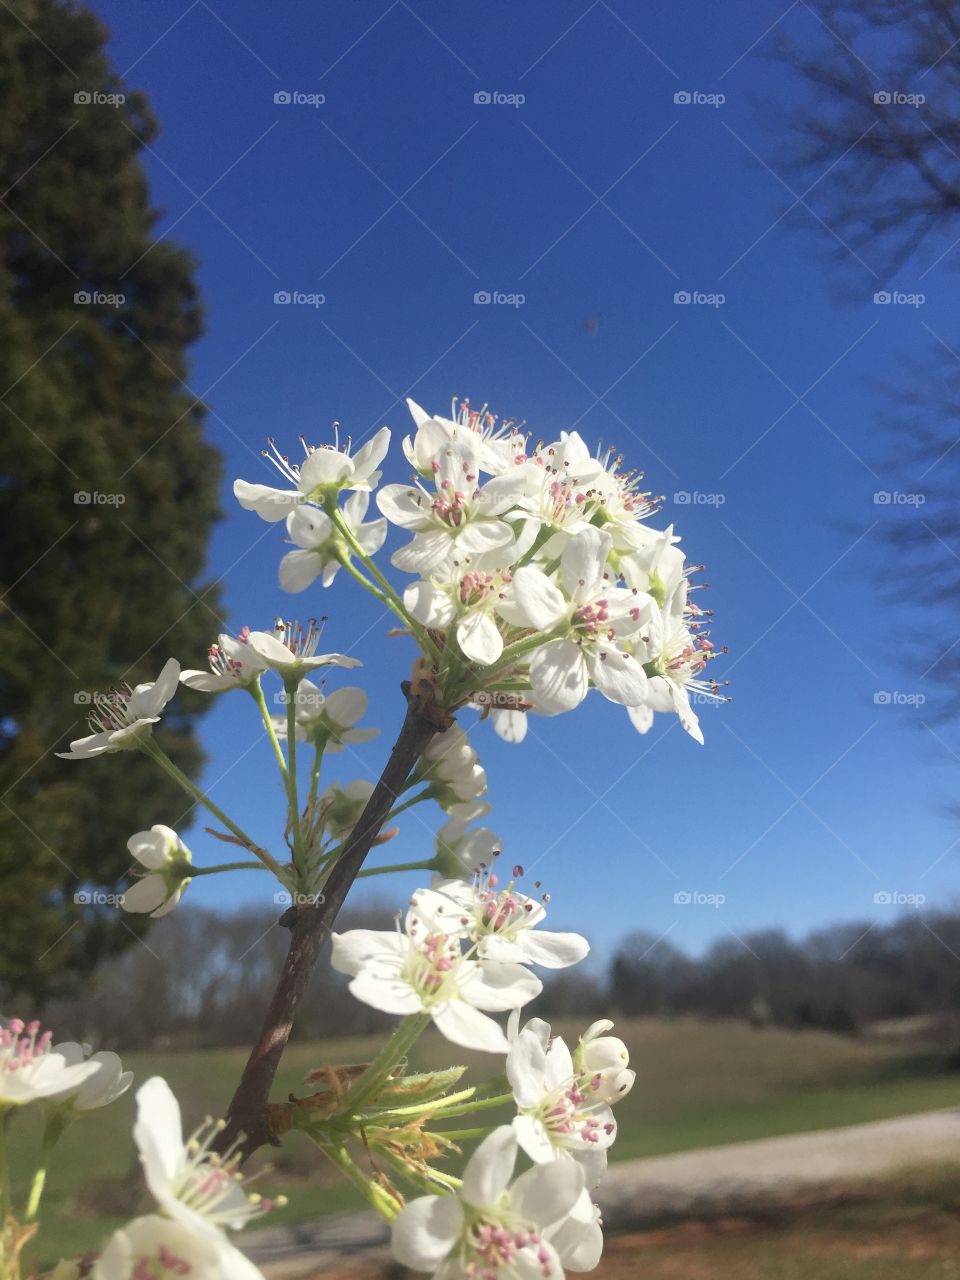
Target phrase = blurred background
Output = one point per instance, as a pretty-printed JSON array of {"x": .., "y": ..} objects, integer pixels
[{"x": 723, "y": 242}]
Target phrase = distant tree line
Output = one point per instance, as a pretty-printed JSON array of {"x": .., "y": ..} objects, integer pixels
[{"x": 186, "y": 986}]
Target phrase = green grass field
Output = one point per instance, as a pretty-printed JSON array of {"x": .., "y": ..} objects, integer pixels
[{"x": 699, "y": 1084}]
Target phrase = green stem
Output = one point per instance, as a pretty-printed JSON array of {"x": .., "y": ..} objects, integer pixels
[
  {"x": 443, "y": 1111},
  {"x": 54, "y": 1127},
  {"x": 425, "y": 794},
  {"x": 430, "y": 1183},
  {"x": 517, "y": 650},
  {"x": 427, "y": 864},
  {"x": 384, "y": 591},
  {"x": 453, "y": 1134},
  {"x": 392, "y": 1053},
  {"x": 157, "y": 754},
  {"x": 315, "y": 778},
  {"x": 293, "y": 795},
  {"x": 225, "y": 866},
  {"x": 4, "y": 1176},
  {"x": 384, "y": 1203},
  {"x": 260, "y": 700}
]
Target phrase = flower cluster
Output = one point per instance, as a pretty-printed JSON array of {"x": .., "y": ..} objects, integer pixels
[{"x": 537, "y": 564}]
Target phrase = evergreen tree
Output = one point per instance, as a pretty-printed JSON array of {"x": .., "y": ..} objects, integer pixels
[{"x": 107, "y": 489}]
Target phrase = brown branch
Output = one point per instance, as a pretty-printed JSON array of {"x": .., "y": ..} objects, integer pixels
[{"x": 311, "y": 925}]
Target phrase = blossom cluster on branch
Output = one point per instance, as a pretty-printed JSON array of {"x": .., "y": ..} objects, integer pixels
[{"x": 533, "y": 577}]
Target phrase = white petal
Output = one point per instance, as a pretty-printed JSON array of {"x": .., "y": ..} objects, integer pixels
[
  {"x": 298, "y": 569},
  {"x": 271, "y": 505},
  {"x": 150, "y": 848},
  {"x": 429, "y": 605},
  {"x": 558, "y": 675},
  {"x": 537, "y": 599},
  {"x": 308, "y": 527},
  {"x": 533, "y": 1139},
  {"x": 463, "y": 1025},
  {"x": 480, "y": 536},
  {"x": 322, "y": 467},
  {"x": 158, "y": 1134},
  {"x": 490, "y": 1168},
  {"x": 546, "y": 1193},
  {"x": 350, "y": 951},
  {"x": 641, "y": 718},
  {"x": 618, "y": 676},
  {"x": 498, "y": 987},
  {"x": 426, "y": 554},
  {"x": 389, "y": 995},
  {"x": 527, "y": 1068},
  {"x": 583, "y": 562},
  {"x": 425, "y": 1231},
  {"x": 145, "y": 895},
  {"x": 368, "y": 458},
  {"x": 553, "y": 950},
  {"x": 511, "y": 726},
  {"x": 479, "y": 639},
  {"x": 404, "y": 506}
]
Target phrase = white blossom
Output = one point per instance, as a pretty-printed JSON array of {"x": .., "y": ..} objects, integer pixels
[
  {"x": 107, "y": 1083},
  {"x": 234, "y": 664},
  {"x": 156, "y": 1248},
  {"x": 123, "y": 718},
  {"x": 30, "y": 1068},
  {"x": 416, "y": 971},
  {"x": 192, "y": 1185},
  {"x": 163, "y": 854},
  {"x": 501, "y": 922},
  {"x": 561, "y": 1111},
  {"x": 328, "y": 720},
  {"x": 291, "y": 649},
  {"x": 324, "y": 471},
  {"x": 320, "y": 545},
  {"x": 497, "y": 1229}
]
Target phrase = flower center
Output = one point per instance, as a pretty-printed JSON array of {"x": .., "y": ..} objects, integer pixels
[
  {"x": 221, "y": 664},
  {"x": 431, "y": 967},
  {"x": 302, "y": 641},
  {"x": 163, "y": 1264},
  {"x": 450, "y": 505},
  {"x": 566, "y": 1114},
  {"x": 208, "y": 1182},
  {"x": 21, "y": 1044},
  {"x": 477, "y": 587},
  {"x": 590, "y": 621},
  {"x": 491, "y": 1244},
  {"x": 111, "y": 711}
]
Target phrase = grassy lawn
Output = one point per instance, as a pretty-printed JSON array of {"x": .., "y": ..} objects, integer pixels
[{"x": 699, "y": 1084}]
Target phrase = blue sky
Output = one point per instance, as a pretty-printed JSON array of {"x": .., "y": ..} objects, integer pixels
[{"x": 597, "y": 198}]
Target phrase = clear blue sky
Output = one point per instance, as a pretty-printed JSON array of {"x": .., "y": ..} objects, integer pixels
[{"x": 598, "y": 198}]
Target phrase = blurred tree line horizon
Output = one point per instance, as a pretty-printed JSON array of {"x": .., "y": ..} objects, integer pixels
[{"x": 204, "y": 977}]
